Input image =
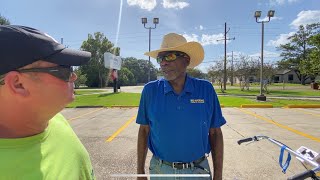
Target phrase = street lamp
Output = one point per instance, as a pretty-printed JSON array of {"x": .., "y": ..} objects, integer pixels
[
  {"x": 144, "y": 22},
  {"x": 257, "y": 15}
]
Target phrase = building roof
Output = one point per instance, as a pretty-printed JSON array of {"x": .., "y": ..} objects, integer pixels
[{"x": 283, "y": 71}]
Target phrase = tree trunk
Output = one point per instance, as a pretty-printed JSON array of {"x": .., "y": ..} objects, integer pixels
[
  {"x": 303, "y": 80},
  {"x": 100, "y": 84}
]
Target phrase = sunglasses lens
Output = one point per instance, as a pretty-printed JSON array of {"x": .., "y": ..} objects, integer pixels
[
  {"x": 168, "y": 57},
  {"x": 63, "y": 73}
]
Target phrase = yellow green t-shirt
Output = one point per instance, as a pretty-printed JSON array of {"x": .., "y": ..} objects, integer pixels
[{"x": 56, "y": 153}]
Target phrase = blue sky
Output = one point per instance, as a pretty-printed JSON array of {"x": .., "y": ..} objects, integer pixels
[{"x": 197, "y": 20}]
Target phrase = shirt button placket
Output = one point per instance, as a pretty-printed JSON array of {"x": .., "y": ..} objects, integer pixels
[{"x": 180, "y": 105}]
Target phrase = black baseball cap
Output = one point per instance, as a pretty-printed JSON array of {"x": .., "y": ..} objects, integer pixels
[{"x": 21, "y": 45}]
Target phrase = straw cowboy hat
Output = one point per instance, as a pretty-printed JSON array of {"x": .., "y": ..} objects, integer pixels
[{"x": 176, "y": 42}]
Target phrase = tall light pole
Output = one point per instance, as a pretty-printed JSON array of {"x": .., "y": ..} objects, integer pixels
[
  {"x": 257, "y": 15},
  {"x": 144, "y": 22}
]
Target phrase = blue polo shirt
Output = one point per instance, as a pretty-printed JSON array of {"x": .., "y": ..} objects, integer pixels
[{"x": 179, "y": 123}]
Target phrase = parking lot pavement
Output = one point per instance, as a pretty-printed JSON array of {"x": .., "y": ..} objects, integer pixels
[{"x": 110, "y": 136}]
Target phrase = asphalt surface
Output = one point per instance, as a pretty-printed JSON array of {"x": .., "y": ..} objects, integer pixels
[{"x": 110, "y": 136}]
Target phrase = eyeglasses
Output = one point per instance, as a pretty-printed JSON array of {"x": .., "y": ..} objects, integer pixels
[
  {"x": 171, "y": 56},
  {"x": 62, "y": 72}
]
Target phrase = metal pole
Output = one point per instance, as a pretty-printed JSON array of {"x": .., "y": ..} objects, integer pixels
[
  {"x": 149, "y": 56},
  {"x": 225, "y": 58},
  {"x": 232, "y": 70},
  {"x": 261, "y": 68}
]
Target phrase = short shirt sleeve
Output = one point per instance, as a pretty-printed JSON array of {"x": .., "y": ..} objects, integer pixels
[
  {"x": 142, "y": 117},
  {"x": 217, "y": 117}
]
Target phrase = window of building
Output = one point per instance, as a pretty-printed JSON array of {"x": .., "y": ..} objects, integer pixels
[{"x": 290, "y": 77}]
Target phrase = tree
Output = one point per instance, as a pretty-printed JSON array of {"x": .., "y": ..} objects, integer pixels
[
  {"x": 215, "y": 73},
  {"x": 4, "y": 21},
  {"x": 126, "y": 77},
  {"x": 81, "y": 80},
  {"x": 139, "y": 68},
  {"x": 245, "y": 68},
  {"x": 314, "y": 63},
  {"x": 269, "y": 70},
  {"x": 97, "y": 44},
  {"x": 196, "y": 73},
  {"x": 296, "y": 54}
]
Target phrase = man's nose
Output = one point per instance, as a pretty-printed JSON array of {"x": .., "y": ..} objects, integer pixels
[{"x": 164, "y": 62}]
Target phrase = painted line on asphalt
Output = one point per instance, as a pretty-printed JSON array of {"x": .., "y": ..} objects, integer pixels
[
  {"x": 280, "y": 125},
  {"x": 85, "y": 114},
  {"x": 121, "y": 128},
  {"x": 256, "y": 106},
  {"x": 303, "y": 106},
  {"x": 307, "y": 112}
]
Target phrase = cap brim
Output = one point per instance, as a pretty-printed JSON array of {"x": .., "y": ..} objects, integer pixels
[{"x": 70, "y": 57}]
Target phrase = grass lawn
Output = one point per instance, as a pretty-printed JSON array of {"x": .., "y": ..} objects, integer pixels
[
  {"x": 132, "y": 99},
  {"x": 275, "y": 92},
  {"x": 87, "y": 91},
  {"x": 107, "y": 100},
  {"x": 238, "y": 101},
  {"x": 272, "y": 85}
]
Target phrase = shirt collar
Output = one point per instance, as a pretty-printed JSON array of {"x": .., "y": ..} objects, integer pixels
[{"x": 188, "y": 86}]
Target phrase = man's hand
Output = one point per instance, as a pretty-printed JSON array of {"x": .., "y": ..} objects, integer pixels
[{"x": 216, "y": 141}]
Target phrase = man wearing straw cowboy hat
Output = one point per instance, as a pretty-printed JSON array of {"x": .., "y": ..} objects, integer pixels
[{"x": 180, "y": 116}]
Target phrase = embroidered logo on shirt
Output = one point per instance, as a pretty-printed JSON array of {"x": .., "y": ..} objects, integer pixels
[{"x": 196, "y": 100}]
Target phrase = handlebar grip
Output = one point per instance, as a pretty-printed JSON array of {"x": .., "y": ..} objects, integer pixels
[
  {"x": 245, "y": 140},
  {"x": 303, "y": 175}
]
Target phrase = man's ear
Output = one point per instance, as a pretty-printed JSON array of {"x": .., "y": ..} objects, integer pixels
[
  {"x": 187, "y": 62},
  {"x": 15, "y": 84}
]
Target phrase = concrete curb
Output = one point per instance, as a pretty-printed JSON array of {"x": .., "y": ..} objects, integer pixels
[
  {"x": 256, "y": 106},
  {"x": 89, "y": 106},
  {"x": 116, "y": 106},
  {"x": 221, "y": 105},
  {"x": 303, "y": 106}
]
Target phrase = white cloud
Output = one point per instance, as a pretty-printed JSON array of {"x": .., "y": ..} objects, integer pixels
[
  {"x": 282, "y": 39},
  {"x": 306, "y": 17},
  {"x": 303, "y": 18},
  {"x": 200, "y": 28},
  {"x": 176, "y": 4},
  {"x": 205, "y": 39},
  {"x": 271, "y": 19},
  {"x": 143, "y": 4},
  {"x": 282, "y": 2},
  {"x": 192, "y": 37},
  {"x": 292, "y": 1},
  {"x": 211, "y": 39},
  {"x": 151, "y": 4}
]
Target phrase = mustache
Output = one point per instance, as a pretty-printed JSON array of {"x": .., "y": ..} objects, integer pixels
[{"x": 165, "y": 69}]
